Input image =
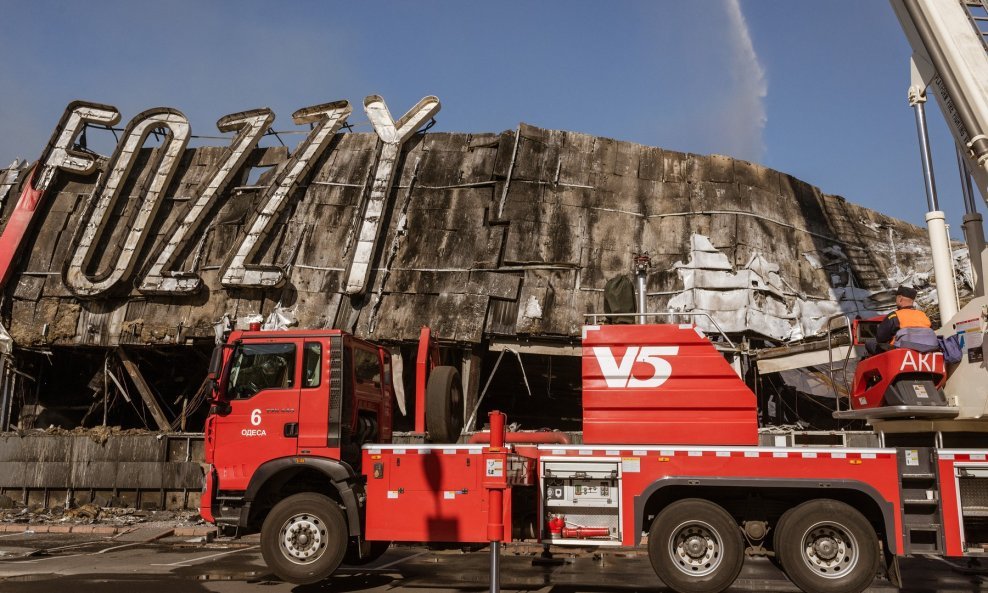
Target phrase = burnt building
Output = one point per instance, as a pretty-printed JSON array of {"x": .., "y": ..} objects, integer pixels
[{"x": 131, "y": 264}]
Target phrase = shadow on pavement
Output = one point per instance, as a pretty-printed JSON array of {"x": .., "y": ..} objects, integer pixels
[{"x": 344, "y": 583}]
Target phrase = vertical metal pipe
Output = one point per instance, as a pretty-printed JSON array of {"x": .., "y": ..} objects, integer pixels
[
  {"x": 641, "y": 297},
  {"x": 495, "y": 567},
  {"x": 5, "y": 396},
  {"x": 966, "y": 188},
  {"x": 953, "y": 271},
  {"x": 974, "y": 236},
  {"x": 929, "y": 183},
  {"x": 497, "y": 420},
  {"x": 8, "y": 382},
  {"x": 641, "y": 265},
  {"x": 936, "y": 223},
  {"x": 974, "y": 230},
  {"x": 106, "y": 386},
  {"x": 943, "y": 266},
  {"x": 495, "y": 508}
]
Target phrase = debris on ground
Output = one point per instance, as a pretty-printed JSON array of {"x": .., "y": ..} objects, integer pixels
[
  {"x": 92, "y": 513},
  {"x": 86, "y": 511},
  {"x": 99, "y": 434}
]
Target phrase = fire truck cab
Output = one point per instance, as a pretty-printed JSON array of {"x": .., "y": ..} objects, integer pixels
[{"x": 290, "y": 413}]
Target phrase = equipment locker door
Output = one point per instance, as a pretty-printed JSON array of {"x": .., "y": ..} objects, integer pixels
[{"x": 263, "y": 418}]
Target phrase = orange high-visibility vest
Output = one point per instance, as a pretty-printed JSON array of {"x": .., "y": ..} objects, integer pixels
[{"x": 910, "y": 318}]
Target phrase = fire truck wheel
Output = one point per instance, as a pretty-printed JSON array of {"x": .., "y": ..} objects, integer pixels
[
  {"x": 827, "y": 546},
  {"x": 304, "y": 538},
  {"x": 352, "y": 556},
  {"x": 444, "y": 405},
  {"x": 695, "y": 546},
  {"x": 777, "y": 530}
]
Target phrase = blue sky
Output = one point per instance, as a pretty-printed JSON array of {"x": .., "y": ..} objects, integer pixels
[{"x": 814, "y": 89}]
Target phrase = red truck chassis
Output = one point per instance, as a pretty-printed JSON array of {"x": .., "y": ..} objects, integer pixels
[{"x": 669, "y": 460}]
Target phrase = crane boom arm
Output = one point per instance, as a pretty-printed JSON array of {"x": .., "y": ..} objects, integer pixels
[{"x": 950, "y": 57}]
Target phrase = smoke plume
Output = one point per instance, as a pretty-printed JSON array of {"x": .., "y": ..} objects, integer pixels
[{"x": 746, "y": 113}]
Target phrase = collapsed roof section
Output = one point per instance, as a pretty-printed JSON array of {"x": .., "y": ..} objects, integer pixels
[{"x": 481, "y": 235}]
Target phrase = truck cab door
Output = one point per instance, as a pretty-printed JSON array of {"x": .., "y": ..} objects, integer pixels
[
  {"x": 262, "y": 422},
  {"x": 320, "y": 383}
]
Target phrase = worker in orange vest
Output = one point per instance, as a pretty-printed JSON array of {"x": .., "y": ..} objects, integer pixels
[{"x": 905, "y": 317}]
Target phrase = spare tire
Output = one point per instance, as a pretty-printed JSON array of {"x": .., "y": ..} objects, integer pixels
[{"x": 444, "y": 405}]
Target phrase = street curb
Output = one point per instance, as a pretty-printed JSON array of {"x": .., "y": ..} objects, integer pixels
[
  {"x": 207, "y": 532},
  {"x": 194, "y": 531},
  {"x": 42, "y": 528}
]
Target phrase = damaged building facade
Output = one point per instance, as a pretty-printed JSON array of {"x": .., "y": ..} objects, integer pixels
[{"x": 130, "y": 265}]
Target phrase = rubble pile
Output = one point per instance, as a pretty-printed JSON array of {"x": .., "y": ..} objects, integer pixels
[{"x": 92, "y": 514}]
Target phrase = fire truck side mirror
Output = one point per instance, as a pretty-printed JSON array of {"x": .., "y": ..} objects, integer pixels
[
  {"x": 215, "y": 363},
  {"x": 215, "y": 369}
]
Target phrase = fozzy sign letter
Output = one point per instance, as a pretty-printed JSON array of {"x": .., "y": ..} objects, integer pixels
[{"x": 242, "y": 270}]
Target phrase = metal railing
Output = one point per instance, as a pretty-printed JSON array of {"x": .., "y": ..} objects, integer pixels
[
  {"x": 847, "y": 355},
  {"x": 720, "y": 331}
]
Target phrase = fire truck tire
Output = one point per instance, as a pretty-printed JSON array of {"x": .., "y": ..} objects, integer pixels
[
  {"x": 444, "y": 405},
  {"x": 777, "y": 530},
  {"x": 827, "y": 546},
  {"x": 304, "y": 538},
  {"x": 352, "y": 556},
  {"x": 695, "y": 546}
]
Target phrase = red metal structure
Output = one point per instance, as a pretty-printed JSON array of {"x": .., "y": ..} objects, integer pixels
[
  {"x": 428, "y": 357},
  {"x": 669, "y": 459},
  {"x": 874, "y": 376},
  {"x": 18, "y": 225},
  {"x": 896, "y": 382},
  {"x": 641, "y": 381}
]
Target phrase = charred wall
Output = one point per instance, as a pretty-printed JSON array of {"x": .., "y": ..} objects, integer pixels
[{"x": 511, "y": 234}]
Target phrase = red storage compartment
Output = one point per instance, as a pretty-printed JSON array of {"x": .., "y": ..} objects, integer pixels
[{"x": 427, "y": 494}]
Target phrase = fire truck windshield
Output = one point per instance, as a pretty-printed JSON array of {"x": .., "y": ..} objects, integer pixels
[{"x": 261, "y": 366}]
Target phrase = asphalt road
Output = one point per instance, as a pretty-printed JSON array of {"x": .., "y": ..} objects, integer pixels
[{"x": 44, "y": 563}]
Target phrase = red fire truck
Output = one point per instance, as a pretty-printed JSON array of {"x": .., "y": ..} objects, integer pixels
[{"x": 299, "y": 447}]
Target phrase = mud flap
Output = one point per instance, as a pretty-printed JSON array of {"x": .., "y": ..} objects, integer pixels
[{"x": 892, "y": 570}]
